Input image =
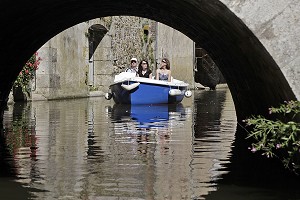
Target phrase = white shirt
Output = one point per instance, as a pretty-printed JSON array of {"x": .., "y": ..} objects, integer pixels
[{"x": 132, "y": 70}]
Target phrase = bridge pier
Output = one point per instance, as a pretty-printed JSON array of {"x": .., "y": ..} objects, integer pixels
[
  {"x": 3, "y": 104},
  {"x": 7, "y": 81}
]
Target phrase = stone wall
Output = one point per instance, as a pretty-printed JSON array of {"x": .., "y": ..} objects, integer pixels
[{"x": 64, "y": 66}]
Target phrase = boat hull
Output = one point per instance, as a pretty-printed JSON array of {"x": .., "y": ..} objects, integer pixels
[{"x": 146, "y": 93}]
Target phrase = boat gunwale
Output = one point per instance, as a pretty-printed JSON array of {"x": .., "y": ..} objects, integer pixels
[{"x": 151, "y": 81}]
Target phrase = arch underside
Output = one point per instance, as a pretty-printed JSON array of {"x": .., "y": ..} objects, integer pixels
[{"x": 253, "y": 77}]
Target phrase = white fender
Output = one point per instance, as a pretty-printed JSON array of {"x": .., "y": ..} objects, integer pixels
[
  {"x": 174, "y": 92},
  {"x": 188, "y": 93},
  {"x": 108, "y": 96},
  {"x": 130, "y": 87}
]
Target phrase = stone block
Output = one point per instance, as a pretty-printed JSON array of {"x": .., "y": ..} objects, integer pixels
[{"x": 42, "y": 81}]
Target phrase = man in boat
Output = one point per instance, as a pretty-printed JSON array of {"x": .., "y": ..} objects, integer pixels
[{"x": 133, "y": 66}]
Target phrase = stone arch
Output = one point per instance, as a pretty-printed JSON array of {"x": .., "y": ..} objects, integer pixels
[
  {"x": 96, "y": 33},
  {"x": 254, "y": 79}
]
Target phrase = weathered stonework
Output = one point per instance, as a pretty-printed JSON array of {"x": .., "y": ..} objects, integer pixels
[
  {"x": 274, "y": 23},
  {"x": 125, "y": 39},
  {"x": 62, "y": 72}
]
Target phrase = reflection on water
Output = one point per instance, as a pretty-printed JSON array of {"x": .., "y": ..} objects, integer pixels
[
  {"x": 214, "y": 128},
  {"x": 146, "y": 119},
  {"x": 93, "y": 149}
]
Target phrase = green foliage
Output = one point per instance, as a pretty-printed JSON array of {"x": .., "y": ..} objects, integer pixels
[
  {"x": 27, "y": 73},
  {"x": 274, "y": 138},
  {"x": 93, "y": 88}
]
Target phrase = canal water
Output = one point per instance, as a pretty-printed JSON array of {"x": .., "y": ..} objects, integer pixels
[{"x": 93, "y": 149}]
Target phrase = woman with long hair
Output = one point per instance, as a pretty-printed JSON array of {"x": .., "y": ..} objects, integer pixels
[
  {"x": 164, "y": 72},
  {"x": 143, "y": 70}
]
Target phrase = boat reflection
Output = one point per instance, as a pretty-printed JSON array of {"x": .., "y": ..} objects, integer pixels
[{"x": 144, "y": 118}]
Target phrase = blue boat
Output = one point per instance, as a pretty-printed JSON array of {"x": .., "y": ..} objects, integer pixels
[{"x": 139, "y": 90}]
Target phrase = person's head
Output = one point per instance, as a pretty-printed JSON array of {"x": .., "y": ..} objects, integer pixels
[
  {"x": 144, "y": 65},
  {"x": 133, "y": 62},
  {"x": 165, "y": 63}
]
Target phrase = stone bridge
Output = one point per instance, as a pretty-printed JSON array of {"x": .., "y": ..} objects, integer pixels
[{"x": 254, "y": 43}]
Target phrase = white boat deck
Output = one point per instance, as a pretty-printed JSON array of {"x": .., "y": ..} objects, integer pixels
[{"x": 127, "y": 76}]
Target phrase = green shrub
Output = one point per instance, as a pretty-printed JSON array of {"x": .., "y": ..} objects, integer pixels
[
  {"x": 27, "y": 73},
  {"x": 275, "y": 138}
]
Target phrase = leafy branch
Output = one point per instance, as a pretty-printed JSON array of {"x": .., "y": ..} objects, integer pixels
[{"x": 276, "y": 138}]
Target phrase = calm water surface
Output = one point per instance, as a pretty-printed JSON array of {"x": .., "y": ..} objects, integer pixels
[{"x": 93, "y": 149}]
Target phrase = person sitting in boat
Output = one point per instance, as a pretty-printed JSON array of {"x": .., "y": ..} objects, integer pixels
[
  {"x": 133, "y": 66},
  {"x": 164, "y": 72},
  {"x": 143, "y": 70}
]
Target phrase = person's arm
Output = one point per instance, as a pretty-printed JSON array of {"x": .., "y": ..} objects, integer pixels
[
  {"x": 169, "y": 77},
  {"x": 157, "y": 75},
  {"x": 150, "y": 75}
]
